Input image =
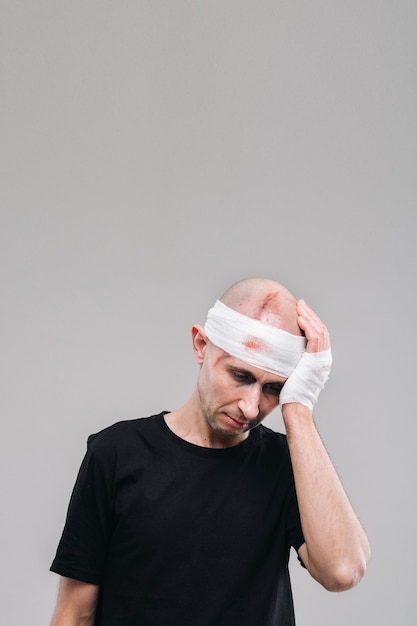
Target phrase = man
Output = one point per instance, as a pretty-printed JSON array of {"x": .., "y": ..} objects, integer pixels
[{"x": 187, "y": 518}]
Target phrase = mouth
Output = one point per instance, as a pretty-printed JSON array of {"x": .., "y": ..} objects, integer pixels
[{"x": 236, "y": 423}]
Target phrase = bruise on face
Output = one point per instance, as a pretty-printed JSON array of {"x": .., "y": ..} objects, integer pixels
[{"x": 220, "y": 357}]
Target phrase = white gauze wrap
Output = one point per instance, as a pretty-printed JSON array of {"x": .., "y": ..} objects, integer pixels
[
  {"x": 253, "y": 342},
  {"x": 273, "y": 350},
  {"x": 308, "y": 379}
]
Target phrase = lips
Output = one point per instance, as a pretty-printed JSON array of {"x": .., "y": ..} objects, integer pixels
[{"x": 236, "y": 423}]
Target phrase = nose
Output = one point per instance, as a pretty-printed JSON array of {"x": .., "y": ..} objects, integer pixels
[{"x": 249, "y": 402}]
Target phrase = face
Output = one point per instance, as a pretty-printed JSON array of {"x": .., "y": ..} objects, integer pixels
[{"x": 234, "y": 396}]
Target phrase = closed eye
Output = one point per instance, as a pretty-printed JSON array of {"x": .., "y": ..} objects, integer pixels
[
  {"x": 273, "y": 388},
  {"x": 243, "y": 377}
]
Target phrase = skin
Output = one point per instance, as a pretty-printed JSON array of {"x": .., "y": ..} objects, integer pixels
[
  {"x": 76, "y": 603},
  {"x": 230, "y": 399},
  {"x": 226, "y": 405}
]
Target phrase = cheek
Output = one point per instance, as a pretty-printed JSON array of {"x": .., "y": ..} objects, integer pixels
[
  {"x": 210, "y": 385},
  {"x": 269, "y": 404}
]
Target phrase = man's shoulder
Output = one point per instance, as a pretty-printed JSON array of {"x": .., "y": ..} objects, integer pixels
[
  {"x": 275, "y": 454},
  {"x": 273, "y": 436},
  {"x": 124, "y": 433},
  {"x": 273, "y": 442}
]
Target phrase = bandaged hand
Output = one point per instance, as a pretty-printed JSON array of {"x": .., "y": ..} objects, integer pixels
[{"x": 313, "y": 369}]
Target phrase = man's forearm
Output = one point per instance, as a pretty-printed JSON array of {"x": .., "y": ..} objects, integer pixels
[
  {"x": 337, "y": 548},
  {"x": 65, "y": 619},
  {"x": 76, "y": 603}
]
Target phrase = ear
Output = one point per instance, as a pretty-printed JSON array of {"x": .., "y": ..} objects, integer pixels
[{"x": 199, "y": 342}]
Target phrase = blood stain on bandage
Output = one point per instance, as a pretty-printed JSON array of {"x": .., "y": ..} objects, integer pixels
[{"x": 253, "y": 343}]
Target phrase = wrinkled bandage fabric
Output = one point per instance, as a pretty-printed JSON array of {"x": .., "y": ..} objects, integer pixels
[
  {"x": 308, "y": 379},
  {"x": 253, "y": 342}
]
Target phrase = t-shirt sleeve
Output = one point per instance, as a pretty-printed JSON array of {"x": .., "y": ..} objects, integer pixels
[
  {"x": 294, "y": 527},
  {"x": 294, "y": 530},
  {"x": 82, "y": 549}
]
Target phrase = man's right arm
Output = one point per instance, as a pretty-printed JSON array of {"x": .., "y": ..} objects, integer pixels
[{"x": 76, "y": 603}]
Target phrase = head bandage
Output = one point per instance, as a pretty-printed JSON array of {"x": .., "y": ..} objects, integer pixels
[{"x": 269, "y": 348}]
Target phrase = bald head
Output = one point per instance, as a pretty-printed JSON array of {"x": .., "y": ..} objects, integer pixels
[
  {"x": 264, "y": 300},
  {"x": 256, "y": 322}
]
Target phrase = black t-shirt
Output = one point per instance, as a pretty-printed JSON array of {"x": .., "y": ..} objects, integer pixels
[{"x": 181, "y": 535}]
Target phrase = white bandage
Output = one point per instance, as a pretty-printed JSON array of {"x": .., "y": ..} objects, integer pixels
[
  {"x": 253, "y": 342},
  {"x": 308, "y": 379}
]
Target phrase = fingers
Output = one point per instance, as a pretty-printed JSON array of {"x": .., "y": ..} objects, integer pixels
[{"x": 315, "y": 331}]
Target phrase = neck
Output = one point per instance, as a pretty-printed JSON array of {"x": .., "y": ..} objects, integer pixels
[{"x": 189, "y": 424}]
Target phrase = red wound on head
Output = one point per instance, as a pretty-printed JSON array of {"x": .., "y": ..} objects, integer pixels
[{"x": 268, "y": 307}]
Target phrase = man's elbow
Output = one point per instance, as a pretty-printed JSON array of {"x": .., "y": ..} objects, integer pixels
[{"x": 344, "y": 576}]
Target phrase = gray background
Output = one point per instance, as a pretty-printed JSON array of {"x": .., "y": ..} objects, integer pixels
[{"x": 154, "y": 152}]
